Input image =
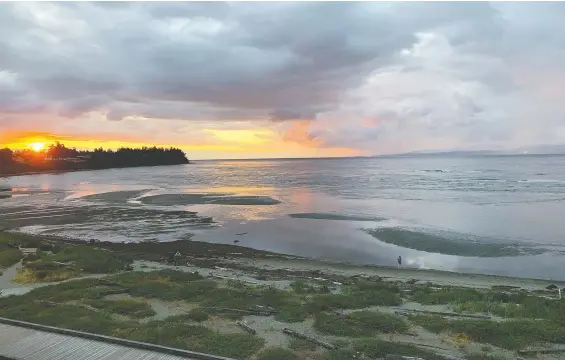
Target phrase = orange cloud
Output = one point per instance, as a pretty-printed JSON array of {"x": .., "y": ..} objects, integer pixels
[
  {"x": 298, "y": 133},
  {"x": 248, "y": 143},
  {"x": 370, "y": 123}
]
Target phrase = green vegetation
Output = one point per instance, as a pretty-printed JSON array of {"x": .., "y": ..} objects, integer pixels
[
  {"x": 511, "y": 335},
  {"x": 66, "y": 316},
  {"x": 485, "y": 357},
  {"x": 455, "y": 245},
  {"x": 301, "y": 345},
  {"x": 340, "y": 354},
  {"x": 301, "y": 287},
  {"x": 427, "y": 296},
  {"x": 292, "y": 312},
  {"x": 55, "y": 158},
  {"x": 197, "y": 315},
  {"x": 192, "y": 337},
  {"x": 90, "y": 260},
  {"x": 362, "y": 294},
  {"x": 277, "y": 353},
  {"x": 505, "y": 304},
  {"x": 15, "y": 239},
  {"x": 70, "y": 262},
  {"x": 521, "y": 306},
  {"x": 9, "y": 257},
  {"x": 128, "y": 307},
  {"x": 168, "y": 333},
  {"x": 359, "y": 323},
  {"x": 375, "y": 348}
]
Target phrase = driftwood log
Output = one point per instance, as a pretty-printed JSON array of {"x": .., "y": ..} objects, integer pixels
[
  {"x": 541, "y": 351},
  {"x": 475, "y": 316},
  {"x": 246, "y": 327}
]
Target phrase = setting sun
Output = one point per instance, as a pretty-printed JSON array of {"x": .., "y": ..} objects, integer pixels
[{"x": 37, "y": 146}]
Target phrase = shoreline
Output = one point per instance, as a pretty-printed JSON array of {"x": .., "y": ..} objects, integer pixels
[
  {"x": 116, "y": 288},
  {"x": 56, "y": 172},
  {"x": 224, "y": 255}
]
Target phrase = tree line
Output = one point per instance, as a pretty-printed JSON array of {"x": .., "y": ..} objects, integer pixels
[{"x": 58, "y": 157}]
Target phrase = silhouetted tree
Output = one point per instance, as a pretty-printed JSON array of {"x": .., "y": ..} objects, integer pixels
[
  {"x": 6, "y": 160},
  {"x": 59, "y": 157}
]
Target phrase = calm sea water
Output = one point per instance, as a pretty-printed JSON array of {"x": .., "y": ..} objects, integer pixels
[{"x": 508, "y": 201}]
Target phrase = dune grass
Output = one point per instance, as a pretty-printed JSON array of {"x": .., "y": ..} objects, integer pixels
[
  {"x": 128, "y": 307},
  {"x": 168, "y": 333},
  {"x": 360, "y": 295},
  {"x": 277, "y": 353},
  {"x": 478, "y": 356},
  {"x": 376, "y": 348},
  {"x": 301, "y": 345},
  {"x": 9, "y": 257},
  {"x": 359, "y": 323},
  {"x": 520, "y": 307},
  {"x": 71, "y": 261},
  {"x": 512, "y": 335}
]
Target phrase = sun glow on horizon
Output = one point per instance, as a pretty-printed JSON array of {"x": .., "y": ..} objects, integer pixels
[{"x": 37, "y": 146}]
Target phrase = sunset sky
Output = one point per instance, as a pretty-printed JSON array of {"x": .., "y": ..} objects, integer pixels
[{"x": 292, "y": 79}]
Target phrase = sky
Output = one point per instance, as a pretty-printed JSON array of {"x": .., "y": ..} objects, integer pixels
[{"x": 283, "y": 79}]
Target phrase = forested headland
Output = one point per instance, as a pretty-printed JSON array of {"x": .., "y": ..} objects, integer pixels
[{"x": 57, "y": 157}]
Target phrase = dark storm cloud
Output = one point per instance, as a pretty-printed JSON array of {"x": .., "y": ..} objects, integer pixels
[{"x": 283, "y": 61}]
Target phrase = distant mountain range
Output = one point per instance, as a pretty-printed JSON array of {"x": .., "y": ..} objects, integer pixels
[{"x": 530, "y": 150}]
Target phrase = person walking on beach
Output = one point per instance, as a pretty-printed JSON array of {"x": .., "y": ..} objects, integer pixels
[
  {"x": 177, "y": 258},
  {"x": 399, "y": 261}
]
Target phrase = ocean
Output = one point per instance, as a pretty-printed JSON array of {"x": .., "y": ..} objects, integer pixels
[{"x": 501, "y": 215}]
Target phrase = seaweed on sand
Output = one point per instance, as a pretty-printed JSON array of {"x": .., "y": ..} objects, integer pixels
[{"x": 455, "y": 245}]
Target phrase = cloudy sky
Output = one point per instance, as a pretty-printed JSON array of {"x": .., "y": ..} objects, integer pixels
[{"x": 237, "y": 80}]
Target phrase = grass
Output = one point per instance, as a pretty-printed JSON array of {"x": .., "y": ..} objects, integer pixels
[
  {"x": 71, "y": 261},
  {"x": 478, "y": 356},
  {"x": 167, "y": 333},
  {"x": 292, "y": 312},
  {"x": 25, "y": 240},
  {"x": 65, "y": 316},
  {"x": 301, "y": 345},
  {"x": 194, "y": 337},
  {"x": 9, "y": 257},
  {"x": 359, "y": 323},
  {"x": 340, "y": 354},
  {"x": 361, "y": 295},
  {"x": 425, "y": 295},
  {"x": 197, "y": 315},
  {"x": 521, "y": 307},
  {"x": 67, "y": 291},
  {"x": 512, "y": 335},
  {"x": 28, "y": 276},
  {"x": 375, "y": 348},
  {"x": 277, "y": 353},
  {"x": 128, "y": 307}
]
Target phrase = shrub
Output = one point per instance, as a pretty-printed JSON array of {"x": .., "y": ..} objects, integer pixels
[
  {"x": 340, "y": 354},
  {"x": 127, "y": 307},
  {"x": 301, "y": 287},
  {"x": 197, "y": 315},
  {"x": 301, "y": 345},
  {"x": 508, "y": 334},
  {"x": 374, "y": 348},
  {"x": 9, "y": 257},
  {"x": 353, "y": 300},
  {"x": 292, "y": 312},
  {"x": 277, "y": 353},
  {"x": 484, "y": 357},
  {"x": 360, "y": 323},
  {"x": 427, "y": 296}
]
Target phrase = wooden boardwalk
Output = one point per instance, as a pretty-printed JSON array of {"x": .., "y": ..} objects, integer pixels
[{"x": 28, "y": 343}]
